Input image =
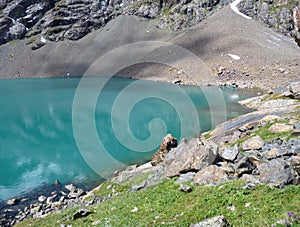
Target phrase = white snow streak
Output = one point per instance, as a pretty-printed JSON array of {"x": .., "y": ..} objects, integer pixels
[
  {"x": 235, "y": 9},
  {"x": 235, "y": 57},
  {"x": 43, "y": 40}
]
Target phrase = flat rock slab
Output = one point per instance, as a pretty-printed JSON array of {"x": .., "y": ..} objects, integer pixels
[
  {"x": 253, "y": 143},
  {"x": 279, "y": 127}
]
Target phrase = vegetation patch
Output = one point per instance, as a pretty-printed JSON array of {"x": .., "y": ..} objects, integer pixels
[{"x": 164, "y": 204}]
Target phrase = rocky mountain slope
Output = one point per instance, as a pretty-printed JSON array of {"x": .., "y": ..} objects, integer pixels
[
  {"x": 56, "y": 20},
  {"x": 221, "y": 43}
]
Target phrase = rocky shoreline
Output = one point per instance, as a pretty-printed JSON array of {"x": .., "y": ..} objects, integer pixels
[{"x": 262, "y": 147}]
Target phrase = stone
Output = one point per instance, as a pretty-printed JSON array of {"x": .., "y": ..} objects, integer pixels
[
  {"x": 282, "y": 222},
  {"x": 185, "y": 177},
  {"x": 276, "y": 172},
  {"x": 234, "y": 137},
  {"x": 276, "y": 103},
  {"x": 229, "y": 153},
  {"x": 70, "y": 187},
  {"x": 42, "y": 198},
  {"x": 280, "y": 127},
  {"x": 17, "y": 31},
  {"x": 269, "y": 118},
  {"x": 294, "y": 88},
  {"x": 194, "y": 156},
  {"x": 249, "y": 186},
  {"x": 139, "y": 187},
  {"x": 12, "y": 201},
  {"x": 168, "y": 142},
  {"x": 185, "y": 188},
  {"x": 244, "y": 166},
  {"x": 76, "y": 193},
  {"x": 296, "y": 132},
  {"x": 226, "y": 167},
  {"x": 56, "y": 182},
  {"x": 297, "y": 125},
  {"x": 210, "y": 175},
  {"x": 81, "y": 213},
  {"x": 135, "y": 209},
  {"x": 253, "y": 143},
  {"x": 218, "y": 221}
]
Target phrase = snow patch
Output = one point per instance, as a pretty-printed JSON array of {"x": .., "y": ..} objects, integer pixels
[
  {"x": 43, "y": 40},
  {"x": 235, "y": 9},
  {"x": 235, "y": 57}
]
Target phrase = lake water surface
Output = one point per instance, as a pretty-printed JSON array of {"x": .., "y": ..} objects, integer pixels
[{"x": 46, "y": 125}]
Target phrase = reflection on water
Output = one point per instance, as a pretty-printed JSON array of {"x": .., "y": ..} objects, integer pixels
[{"x": 37, "y": 143}]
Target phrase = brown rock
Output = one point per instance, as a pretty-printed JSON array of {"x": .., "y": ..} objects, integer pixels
[
  {"x": 279, "y": 127},
  {"x": 269, "y": 118},
  {"x": 168, "y": 142},
  {"x": 253, "y": 143},
  {"x": 210, "y": 175}
]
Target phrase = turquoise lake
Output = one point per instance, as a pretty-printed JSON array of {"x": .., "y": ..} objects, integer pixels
[{"x": 48, "y": 126}]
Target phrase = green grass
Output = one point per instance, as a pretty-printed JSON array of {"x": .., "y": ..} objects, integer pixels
[
  {"x": 263, "y": 132},
  {"x": 164, "y": 204}
]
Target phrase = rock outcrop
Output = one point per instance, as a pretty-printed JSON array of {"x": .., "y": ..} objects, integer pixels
[
  {"x": 275, "y": 14},
  {"x": 40, "y": 21},
  {"x": 168, "y": 142}
]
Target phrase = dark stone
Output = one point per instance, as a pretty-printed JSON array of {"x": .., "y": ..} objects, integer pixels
[
  {"x": 81, "y": 213},
  {"x": 76, "y": 193},
  {"x": 276, "y": 172}
]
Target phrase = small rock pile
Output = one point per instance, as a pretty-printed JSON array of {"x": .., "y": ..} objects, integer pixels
[{"x": 19, "y": 209}]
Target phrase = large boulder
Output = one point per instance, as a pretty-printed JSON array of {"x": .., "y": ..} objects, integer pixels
[
  {"x": 210, "y": 175},
  {"x": 276, "y": 172},
  {"x": 194, "y": 156}
]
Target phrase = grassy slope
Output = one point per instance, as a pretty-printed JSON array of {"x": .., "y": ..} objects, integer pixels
[{"x": 164, "y": 204}]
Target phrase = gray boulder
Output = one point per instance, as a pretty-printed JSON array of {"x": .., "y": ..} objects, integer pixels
[
  {"x": 276, "y": 172},
  {"x": 17, "y": 31},
  {"x": 210, "y": 175},
  {"x": 192, "y": 157}
]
